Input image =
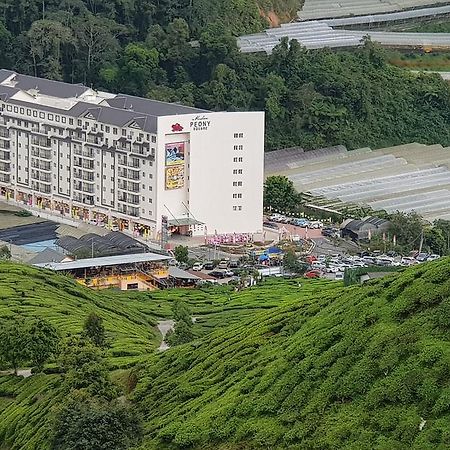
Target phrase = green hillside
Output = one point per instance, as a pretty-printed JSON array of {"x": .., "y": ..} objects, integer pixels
[
  {"x": 27, "y": 406},
  {"x": 355, "y": 368},
  {"x": 31, "y": 292}
]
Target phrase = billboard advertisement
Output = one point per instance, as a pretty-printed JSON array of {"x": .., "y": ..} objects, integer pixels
[
  {"x": 175, "y": 153},
  {"x": 174, "y": 177}
]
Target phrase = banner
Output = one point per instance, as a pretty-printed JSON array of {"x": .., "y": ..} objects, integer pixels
[
  {"x": 174, "y": 177},
  {"x": 175, "y": 154}
]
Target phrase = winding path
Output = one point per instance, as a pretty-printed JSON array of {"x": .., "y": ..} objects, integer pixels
[{"x": 164, "y": 326}]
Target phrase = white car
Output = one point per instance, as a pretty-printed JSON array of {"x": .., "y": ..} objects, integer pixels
[
  {"x": 339, "y": 276},
  {"x": 433, "y": 257},
  {"x": 197, "y": 266}
]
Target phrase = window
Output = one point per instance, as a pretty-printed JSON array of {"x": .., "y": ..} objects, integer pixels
[
  {"x": 114, "y": 130},
  {"x": 237, "y": 195},
  {"x": 153, "y": 138},
  {"x": 41, "y": 115},
  {"x": 63, "y": 119},
  {"x": 34, "y": 113},
  {"x": 50, "y": 117},
  {"x": 237, "y": 171},
  {"x": 70, "y": 121},
  {"x": 107, "y": 129},
  {"x": 237, "y": 159},
  {"x": 57, "y": 118}
]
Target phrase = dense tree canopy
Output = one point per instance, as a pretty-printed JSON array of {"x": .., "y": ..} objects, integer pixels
[{"x": 185, "y": 50}]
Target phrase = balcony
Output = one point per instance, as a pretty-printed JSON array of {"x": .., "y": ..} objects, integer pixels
[
  {"x": 5, "y": 145},
  {"x": 94, "y": 141},
  {"x": 41, "y": 165},
  {"x": 85, "y": 176},
  {"x": 44, "y": 130},
  {"x": 44, "y": 188},
  {"x": 44, "y": 177},
  {"x": 85, "y": 153},
  {"x": 41, "y": 153},
  {"x": 129, "y": 210},
  {"x": 81, "y": 137},
  {"x": 47, "y": 143},
  {"x": 5, "y": 167},
  {"x": 5, "y": 156},
  {"x": 85, "y": 199},
  {"x": 83, "y": 187},
  {"x": 4, "y": 134},
  {"x": 129, "y": 186},
  {"x": 78, "y": 162},
  {"x": 141, "y": 149},
  {"x": 128, "y": 198},
  {"x": 5, "y": 178}
]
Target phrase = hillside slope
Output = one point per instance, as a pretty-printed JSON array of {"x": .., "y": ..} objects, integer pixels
[
  {"x": 356, "y": 368},
  {"x": 31, "y": 292}
]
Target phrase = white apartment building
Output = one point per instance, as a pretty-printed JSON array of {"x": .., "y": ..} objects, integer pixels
[{"x": 129, "y": 162}]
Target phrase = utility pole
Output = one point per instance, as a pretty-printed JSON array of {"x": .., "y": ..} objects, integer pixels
[{"x": 421, "y": 241}]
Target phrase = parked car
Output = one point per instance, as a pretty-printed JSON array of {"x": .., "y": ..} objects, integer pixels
[
  {"x": 270, "y": 225},
  {"x": 312, "y": 274},
  {"x": 197, "y": 266},
  {"x": 233, "y": 264},
  {"x": 433, "y": 257},
  {"x": 218, "y": 274},
  {"x": 339, "y": 276},
  {"x": 422, "y": 257},
  {"x": 209, "y": 265},
  {"x": 223, "y": 264}
]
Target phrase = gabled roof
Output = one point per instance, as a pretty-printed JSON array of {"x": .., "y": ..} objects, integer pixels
[
  {"x": 47, "y": 255},
  {"x": 44, "y": 86},
  {"x": 151, "y": 107}
]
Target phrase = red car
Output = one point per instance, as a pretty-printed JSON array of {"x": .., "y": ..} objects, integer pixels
[{"x": 312, "y": 274}]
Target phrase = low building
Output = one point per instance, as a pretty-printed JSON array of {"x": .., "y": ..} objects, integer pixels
[
  {"x": 364, "y": 229},
  {"x": 143, "y": 271}
]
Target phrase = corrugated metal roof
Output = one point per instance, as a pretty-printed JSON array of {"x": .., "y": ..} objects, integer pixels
[
  {"x": 105, "y": 261},
  {"x": 176, "y": 272}
]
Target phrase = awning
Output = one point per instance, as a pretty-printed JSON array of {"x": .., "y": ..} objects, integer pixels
[
  {"x": 183, "y": 221},
  {"x": 176, "y": 272}
]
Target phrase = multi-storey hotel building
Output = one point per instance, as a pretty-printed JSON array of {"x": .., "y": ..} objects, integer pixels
[{"x": 129, "y": 162}]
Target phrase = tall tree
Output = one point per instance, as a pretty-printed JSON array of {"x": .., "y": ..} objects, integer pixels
[
  {"x": 43, "y": 342},
  {"x": 94, "y": 329},
  {"x": 280, "y": 194},
  {"x": 46, "y": 40},
  {"x": 14, "y": 342}
]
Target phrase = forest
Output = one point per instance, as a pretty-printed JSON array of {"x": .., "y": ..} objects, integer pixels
[{"x": 185, "y": 51}]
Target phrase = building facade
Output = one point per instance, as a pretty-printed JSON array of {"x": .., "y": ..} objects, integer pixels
[{"x": 129, "y": 163}]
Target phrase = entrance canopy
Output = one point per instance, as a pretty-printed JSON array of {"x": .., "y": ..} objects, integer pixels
[{"x": 184, "y": 221}]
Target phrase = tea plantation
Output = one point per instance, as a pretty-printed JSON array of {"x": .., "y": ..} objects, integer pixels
[
  {"x": 288, "y": 364},
  {"x": 27, "y": 405},
  {"x": 352, "y": 368}
]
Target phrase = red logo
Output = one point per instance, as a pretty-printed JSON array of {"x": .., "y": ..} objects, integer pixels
[{"x": 177, "y": 127}]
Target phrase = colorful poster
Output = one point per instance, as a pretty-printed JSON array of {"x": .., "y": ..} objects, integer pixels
[
  {"x": 175, "y": 154},
  {"x": 174, "y": 177}
]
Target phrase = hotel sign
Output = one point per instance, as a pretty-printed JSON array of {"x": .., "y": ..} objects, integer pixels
[{"x": 200, "y": 123}]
